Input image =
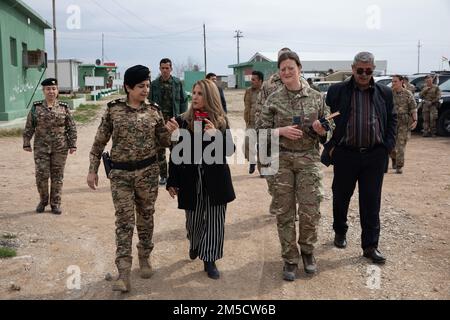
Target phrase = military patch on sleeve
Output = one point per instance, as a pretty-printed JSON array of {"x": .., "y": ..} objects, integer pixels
[
  {"x": 154, "y": 105},
  {"x": 114, "y": 102},
  {"x": 64, "y": 105}
]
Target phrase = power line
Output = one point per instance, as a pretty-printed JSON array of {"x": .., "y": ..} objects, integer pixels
[{"x": 136, "y": 16}]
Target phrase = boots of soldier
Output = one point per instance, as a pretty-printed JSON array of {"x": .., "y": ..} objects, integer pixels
[
  {"x": 399, "y": 170},
  {"x": 309, "y": 263},
  {"x": 56, "y": 209},
  {"x": 146, "y": 268},
  {"x": 394, "y": 164},
  {"x": 41, "y": 206},
  {"x": 122, "y": 283}
]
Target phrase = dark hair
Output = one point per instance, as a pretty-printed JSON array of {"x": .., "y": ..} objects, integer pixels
[
  {"x": 165, "y": 60},
  {"x": 259, "y": 74},
  {"x": 210, "y": 75},
  {"x": 289, "y": 55},
  {"x": 398, "y": 76}
]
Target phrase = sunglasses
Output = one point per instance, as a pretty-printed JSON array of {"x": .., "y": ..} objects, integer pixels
[{"x": 368, "y": 71}]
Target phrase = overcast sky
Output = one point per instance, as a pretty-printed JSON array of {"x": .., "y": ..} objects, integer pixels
[{"x": 143, "y": 32}]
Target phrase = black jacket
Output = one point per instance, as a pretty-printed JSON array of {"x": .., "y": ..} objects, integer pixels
[
  {"x": 339, "y": 97},
  {"x": 217, "y": 176}
]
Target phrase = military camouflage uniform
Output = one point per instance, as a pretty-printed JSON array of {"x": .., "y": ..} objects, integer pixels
[
  {"x": 410, "y": 88},
  {"x": 268, "y": 87},
  {"x": 136, "y": 135},
  {"x": 299, "y": 178},
  {"x": 54, "y": 134},
  {"x": 405, "y": 105},
  {"x": 250, "y": 98},
  {"x": 430, "y": 105}
]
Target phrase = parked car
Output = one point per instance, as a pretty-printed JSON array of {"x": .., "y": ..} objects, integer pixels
[
  {"x": 324, "y": 85},
  {"x": 443, "y": 122},
  {"x": 386, "y": 80},
  {"x": 418, "y": 80}
]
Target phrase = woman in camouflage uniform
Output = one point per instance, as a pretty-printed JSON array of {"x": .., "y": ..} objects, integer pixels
[
  {"x": 137, "y": 129},
  {"x": 54, "y": 133},
  {"x": 293, "y": 112}
]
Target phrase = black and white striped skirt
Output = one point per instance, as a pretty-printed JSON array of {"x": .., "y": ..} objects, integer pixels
[{"x": 206, "y": 225}]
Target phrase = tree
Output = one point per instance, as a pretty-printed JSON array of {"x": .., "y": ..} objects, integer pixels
[{"x": 189, "y": 65}]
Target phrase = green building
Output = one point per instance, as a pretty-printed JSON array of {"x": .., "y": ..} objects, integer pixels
[
  {"x": 107, "y": 72},
  {"x": 191, "y": 77},
  {"x": 259, "y": 62},
  {"x": 22, "y": 57}
]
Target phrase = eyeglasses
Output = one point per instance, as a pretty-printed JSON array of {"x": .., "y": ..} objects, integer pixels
[{"x": 368, "y": 71}]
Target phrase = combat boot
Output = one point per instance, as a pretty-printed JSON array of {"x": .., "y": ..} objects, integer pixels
[
  {"x": 41, "y": 207},
  {"x": 309, "y": 263},
  {"x": 56, "y": 209},
  {"x": 146, "y": 268},
  {"x": 289, "y": 271},
  {"x": 122, "y": 283},
  {"x": 394, "y": 164},
  {"x": 399, "y": 170}
]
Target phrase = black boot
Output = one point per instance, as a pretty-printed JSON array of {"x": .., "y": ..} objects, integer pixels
[
  {"x": 41, "y": 207},
  {"x": 193, "y": 254},
  {"x": 211, "y": 268},
  {"x": 56, "y": 209},
  {"x": 252, "y": 168}
]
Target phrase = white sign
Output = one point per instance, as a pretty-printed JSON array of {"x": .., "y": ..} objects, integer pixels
[
  {"x": 231, "y": 79},
  {"x": 117, "y": 82},
  {"x": 94, "y": 82}
]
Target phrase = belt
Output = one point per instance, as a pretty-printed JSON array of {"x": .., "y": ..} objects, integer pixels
[
  {"x": 283, "y": 149},
  {"x": 134, "y": 165},
  {"x": 360, "y": 149}
]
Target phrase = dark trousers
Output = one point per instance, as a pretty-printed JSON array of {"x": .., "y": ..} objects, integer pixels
[{"x": 367, "y": 168}]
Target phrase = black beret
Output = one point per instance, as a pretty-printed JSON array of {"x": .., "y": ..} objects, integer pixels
[
  {"x": 49, "y": 82},
  {"x": 135, "y": 75}
]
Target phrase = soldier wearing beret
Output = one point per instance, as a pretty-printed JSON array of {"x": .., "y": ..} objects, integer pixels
[
  {"x": 55, "y": 134},
  {"x": 137, "y": 129}
]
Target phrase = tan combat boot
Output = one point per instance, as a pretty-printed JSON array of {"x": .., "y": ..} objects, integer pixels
[
  {"x": 122, "y": 283},
  {"x": 146, "y": 268}
]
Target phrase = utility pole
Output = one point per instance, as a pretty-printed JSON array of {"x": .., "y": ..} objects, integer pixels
[
  {"x": 55, "y": 47},
  {"x": 237, "y": 36},
  {"x": 204, "y": 47},
  {"x": 418, "y": 56},
  {"x": 103, "y": 48}
]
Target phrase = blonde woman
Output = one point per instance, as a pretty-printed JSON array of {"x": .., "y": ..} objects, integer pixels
[{"x": 202, "y": 180}]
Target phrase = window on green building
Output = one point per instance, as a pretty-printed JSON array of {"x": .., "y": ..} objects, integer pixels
[{"x": 13, "y": 47}]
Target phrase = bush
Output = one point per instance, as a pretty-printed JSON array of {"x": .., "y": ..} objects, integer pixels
[{"x": 7, "y": 253}]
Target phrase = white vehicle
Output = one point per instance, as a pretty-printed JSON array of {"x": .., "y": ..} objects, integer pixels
[{"x": 386, "y": 80}]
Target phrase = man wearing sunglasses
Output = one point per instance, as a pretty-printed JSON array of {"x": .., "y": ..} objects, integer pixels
[{"x": 359, "y": 149}]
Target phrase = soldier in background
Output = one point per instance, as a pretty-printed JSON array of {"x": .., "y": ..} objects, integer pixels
[
  {"x": 406, "y": 109},
  {"x": 268, "y": 87},
  {"x": 52, "y": 125},
  {"x": 213, "y": 77},
  {"x": 408, "y": 86},
  {"x": 298, "y": 180},
  {"x": 138, "y": 131},
  {"x": 167, "y": 91},
  {"x": 431, "y": 94},
  {"x": 250, "y": 97}
]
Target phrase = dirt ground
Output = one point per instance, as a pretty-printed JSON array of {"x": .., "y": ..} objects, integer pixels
[{"x": 415, "y": 236}]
